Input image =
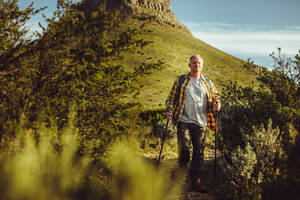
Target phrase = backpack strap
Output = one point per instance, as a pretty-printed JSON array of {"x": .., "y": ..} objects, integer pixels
[
  {"x": 181, "y": 80},
  {"x": 208, "y": 82}
]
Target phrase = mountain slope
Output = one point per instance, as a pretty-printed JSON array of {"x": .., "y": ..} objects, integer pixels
[{"x": 174, "y": 44}]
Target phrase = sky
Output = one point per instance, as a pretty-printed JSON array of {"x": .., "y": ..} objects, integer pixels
[{"x": 243, "y": 28}]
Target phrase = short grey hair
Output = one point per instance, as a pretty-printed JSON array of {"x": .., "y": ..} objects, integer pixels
[{"x": 194, "y": 56}]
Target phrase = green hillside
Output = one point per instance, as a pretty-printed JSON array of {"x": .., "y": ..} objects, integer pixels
[{"x": 175, "y": 46}]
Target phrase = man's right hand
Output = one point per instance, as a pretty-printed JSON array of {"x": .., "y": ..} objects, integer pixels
[{"x": 169, "y": 115}]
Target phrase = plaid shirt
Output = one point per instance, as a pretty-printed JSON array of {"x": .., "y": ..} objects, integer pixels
[{"x": 176, "y": 100}]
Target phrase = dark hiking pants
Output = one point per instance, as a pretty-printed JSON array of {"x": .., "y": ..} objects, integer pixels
[{"x": 197, "y": 135}]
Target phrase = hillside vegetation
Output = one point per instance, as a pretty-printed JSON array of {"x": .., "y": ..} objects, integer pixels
[{"x": 174, "y": 46}]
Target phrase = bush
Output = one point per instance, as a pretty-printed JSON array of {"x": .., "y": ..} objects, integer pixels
[
  {"x": 255, "y": 163},
  {"x": 153, "y": 116},
  {"x": 245, "y": 109},
  {"x": 155, "y": 119}
]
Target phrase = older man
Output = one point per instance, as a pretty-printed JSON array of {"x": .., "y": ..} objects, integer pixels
[{"x": 191, "y": 105}]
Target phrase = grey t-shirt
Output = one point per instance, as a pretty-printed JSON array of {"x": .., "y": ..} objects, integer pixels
[{"x": 195, "y": 105}]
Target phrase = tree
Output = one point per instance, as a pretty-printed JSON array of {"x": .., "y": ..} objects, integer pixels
[
  {"x": 14, "y": 75},
  {"x": 284, "y": 79},
  {"x": 76, "y": 63}
]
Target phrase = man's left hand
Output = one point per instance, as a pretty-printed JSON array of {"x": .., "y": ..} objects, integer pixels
[{"x": 217, "y": 106}]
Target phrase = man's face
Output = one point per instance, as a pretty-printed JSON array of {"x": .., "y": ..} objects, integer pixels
[{"x": 196, "y": 64}]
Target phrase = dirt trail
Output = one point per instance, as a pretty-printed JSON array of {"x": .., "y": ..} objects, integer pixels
[{"x": 169, "y": 163}]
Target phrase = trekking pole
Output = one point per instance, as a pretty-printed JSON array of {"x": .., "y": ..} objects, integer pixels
[
  {"x": 216, "y": 143},
  {"x": 162, "y": 144}
]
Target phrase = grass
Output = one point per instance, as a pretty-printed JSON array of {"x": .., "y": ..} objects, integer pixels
[{"x": 175, "y": 46}]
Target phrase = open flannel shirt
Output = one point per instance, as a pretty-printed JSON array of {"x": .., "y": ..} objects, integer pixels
[{"x": 176, "y": 100}]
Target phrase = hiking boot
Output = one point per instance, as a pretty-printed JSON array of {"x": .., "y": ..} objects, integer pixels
[{"x": 198, "y": 186}]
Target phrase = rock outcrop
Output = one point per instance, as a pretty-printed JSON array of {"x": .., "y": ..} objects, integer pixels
[{"x": 159, "y": 10}]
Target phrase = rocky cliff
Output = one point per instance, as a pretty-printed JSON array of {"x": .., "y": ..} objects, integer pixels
[{"x": 159, "y": 10}]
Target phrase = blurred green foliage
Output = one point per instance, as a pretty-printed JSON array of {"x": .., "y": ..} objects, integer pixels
[
  {"x": 46, "y": 164},
  {"x": 134, "y": 178}
]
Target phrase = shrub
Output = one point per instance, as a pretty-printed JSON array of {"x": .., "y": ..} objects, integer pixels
[
  {"x": 245, "y": 109},
  {"x": 255, "y": 163},
  {"x": 155, "y": 119},
  {"x": 153, "y": 116}
]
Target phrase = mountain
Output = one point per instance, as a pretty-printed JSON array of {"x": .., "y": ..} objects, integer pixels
[
  {"x": 161, "y": 9},
  {"x": 174, "y": 44}
]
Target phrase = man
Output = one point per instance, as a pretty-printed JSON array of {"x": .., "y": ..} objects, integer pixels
[{"x": 191, "y": 105}]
